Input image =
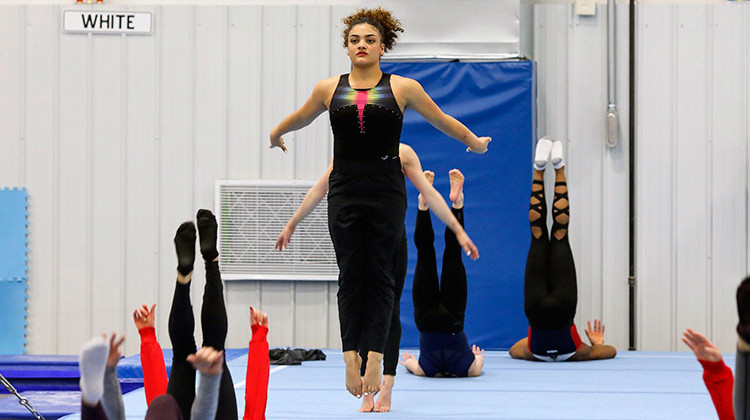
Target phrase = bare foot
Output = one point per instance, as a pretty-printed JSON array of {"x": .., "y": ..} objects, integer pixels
[
  {"x": 457, "y": 185},
  {"x": 368, "y": 404},
  {"x": 384, "y": 399},
  {"x": 373, "y": 373},
  {"x": 431, "y": 178},
  {"x": 353, "y": 380}
]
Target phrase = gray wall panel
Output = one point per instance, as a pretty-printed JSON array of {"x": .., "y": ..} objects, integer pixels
[
  {"x": 40, "y": 119},
  {"x": 12, "y": 32},
  {"x": 655, "y": 177}
]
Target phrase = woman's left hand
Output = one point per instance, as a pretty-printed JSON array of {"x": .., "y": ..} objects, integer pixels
[
  {"x": 596, "y": 334},
  {"x": 481, "y": 147}
]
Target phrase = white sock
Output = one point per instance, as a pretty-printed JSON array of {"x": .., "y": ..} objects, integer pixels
[
  {"x": 556, "y": 155},
  {"x": 92, "y": 363},
  {"x": 543, "y": 148}
]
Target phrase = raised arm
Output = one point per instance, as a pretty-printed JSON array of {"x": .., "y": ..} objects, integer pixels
[
  {"x": 152, "y": 358},
  {"x": 413, "y": 170},
  {"x": 311, "y": 200},
  {"x": 258, "y": 365},
  {"x": 416, "y": 98},
  {"x": 314, "y": 106}
]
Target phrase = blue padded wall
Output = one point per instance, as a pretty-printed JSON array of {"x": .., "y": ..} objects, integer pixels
[
  {"x": 496, "y": 99},
  {"x": 13, "y": 269}
]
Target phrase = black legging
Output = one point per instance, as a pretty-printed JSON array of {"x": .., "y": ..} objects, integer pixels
[
  {"x": 181, "y": 327},
  {"x": 366, "y": 207},
  {"x": 550, "y": 289},
  {"x": 439, "y": 306},
  {"x": 393, "y": 342}
]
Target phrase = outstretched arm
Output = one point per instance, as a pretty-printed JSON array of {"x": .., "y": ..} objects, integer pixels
[
  {"x": 302, "y": 117},
  {"x": 413, "y": 170},
  {"x": 152, "y": 358},
  {"x": 258, "y": 368},
  {"x": 311, "y": 200},
  {"x": 716, "y": 374},
  {"x": 420, "y": 101},
  {"x": 411, "y": 363}
]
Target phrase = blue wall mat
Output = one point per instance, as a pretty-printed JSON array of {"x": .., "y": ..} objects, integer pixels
[
  {"x": 13, "y": 234},
  {"x": 495, "y": 99},
  {"x": 13, "y": 317}
]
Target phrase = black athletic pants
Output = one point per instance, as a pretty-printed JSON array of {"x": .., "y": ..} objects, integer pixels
[
  {"x": 439, "y": 305},
  {"x": 550, "y": 288},
  {"x": 393, "y": 342},
  {"x": 366, "y": 208},
  {"x": 181, "y": 327}
]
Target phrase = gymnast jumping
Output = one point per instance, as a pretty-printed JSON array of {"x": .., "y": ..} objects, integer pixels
[
  {"x": 550, "y": 288},
  {"x": 440, "y": 305},
  {"x": 367, "y": 196},
  {"x": 412, "y": 168}
]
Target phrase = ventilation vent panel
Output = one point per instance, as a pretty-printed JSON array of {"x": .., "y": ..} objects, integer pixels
[{"x": 251, "y": 214}]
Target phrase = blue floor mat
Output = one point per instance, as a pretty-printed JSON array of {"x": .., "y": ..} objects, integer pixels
[{"x": 634, "y": 385}]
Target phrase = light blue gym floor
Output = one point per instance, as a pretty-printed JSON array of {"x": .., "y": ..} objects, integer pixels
[{"x": 634, "y": 385}]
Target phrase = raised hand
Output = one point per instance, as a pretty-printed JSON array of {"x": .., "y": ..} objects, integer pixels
[
  {"x": 144, "y": 317},
  {"x": 406, "y": 356},
  {"x": 284, "y": 237},
  {"x": 701, "y": 347},
  {"x": 258, "y": 318},
  {"x": 477, "y": 351},
  {"x": 596, "y": 334},
  {"x": 114, "y": 350},
  {"x": 207, "y": 360}
]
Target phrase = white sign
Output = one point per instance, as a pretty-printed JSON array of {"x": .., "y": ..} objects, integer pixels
[{"x": 101, "y": 22}]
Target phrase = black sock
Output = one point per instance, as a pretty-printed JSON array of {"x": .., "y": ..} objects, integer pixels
[
  {"x": 207, "y": 230},
  {"x": 184, "y": 244},
  {"x": 743, "y": 309}
]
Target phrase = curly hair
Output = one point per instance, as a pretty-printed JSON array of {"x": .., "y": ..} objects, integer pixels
[{"x": 381, "y": 19}]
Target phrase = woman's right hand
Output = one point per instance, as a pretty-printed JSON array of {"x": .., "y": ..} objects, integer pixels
[{"x": 277, "y": 141}]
